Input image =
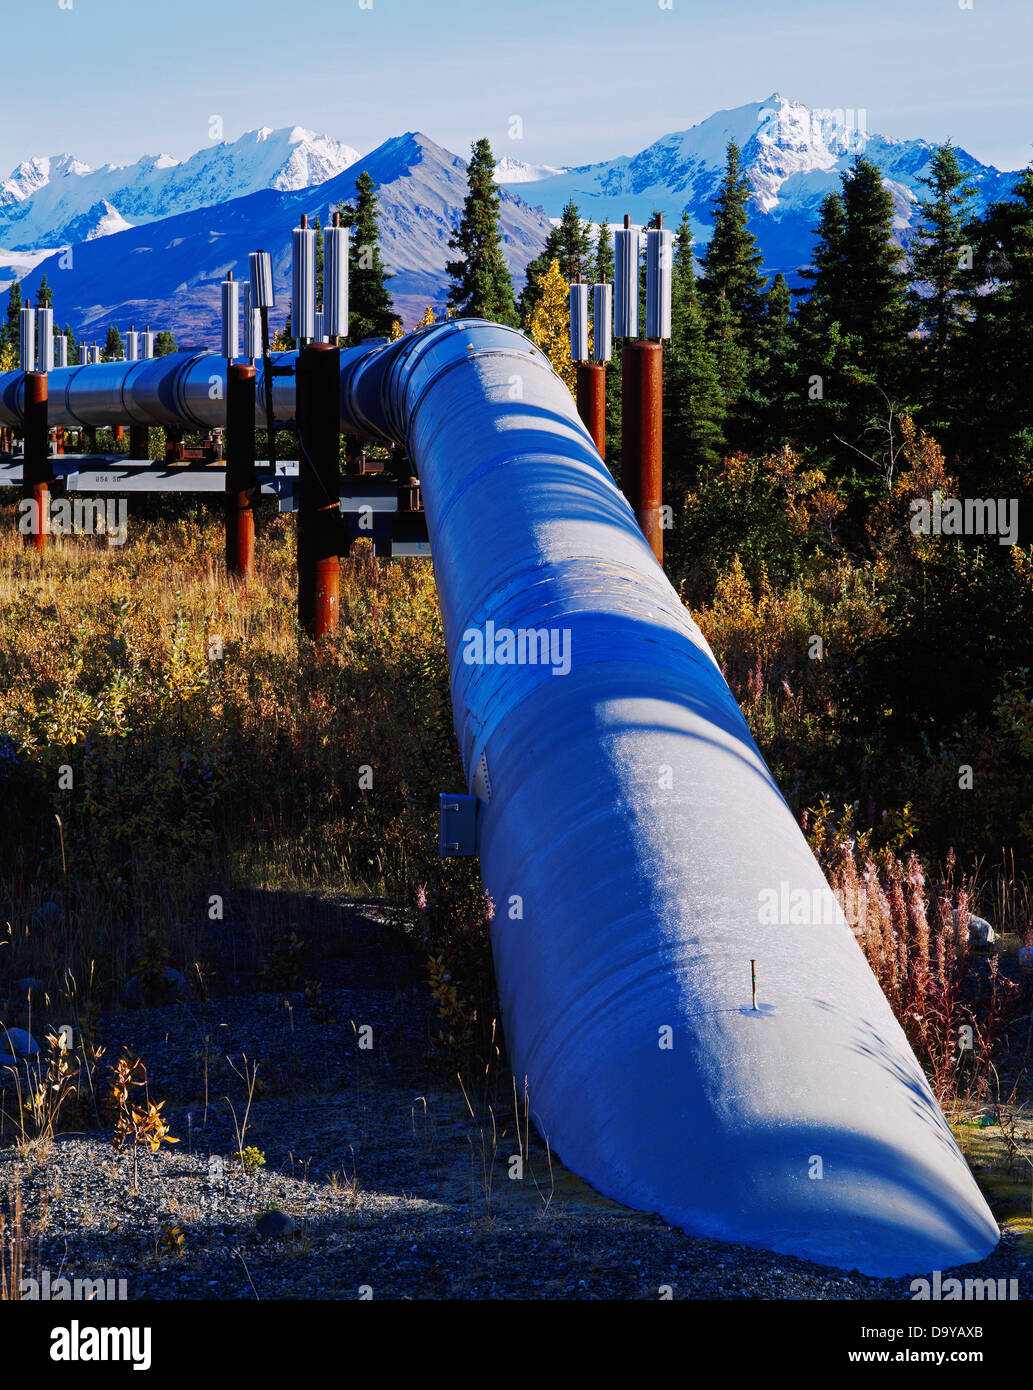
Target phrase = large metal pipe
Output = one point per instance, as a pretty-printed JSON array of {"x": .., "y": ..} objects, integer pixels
[{"x": 630, "y": 836}]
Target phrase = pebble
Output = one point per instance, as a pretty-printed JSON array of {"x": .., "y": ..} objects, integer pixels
[
  {"x": 272, "y": 1225},
  {"x": 21, "y": 1043}
]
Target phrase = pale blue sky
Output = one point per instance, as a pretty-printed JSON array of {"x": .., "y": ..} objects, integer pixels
[{"x": 109, "y": 80}]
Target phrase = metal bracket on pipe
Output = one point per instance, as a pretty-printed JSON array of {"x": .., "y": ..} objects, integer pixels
[{"x": 457, "y": 825}]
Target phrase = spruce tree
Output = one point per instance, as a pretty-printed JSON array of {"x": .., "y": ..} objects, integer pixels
[
  {"x": 113, "y": 346},
  {"x": 164, "y": 343},
  {"x": 570, "y": 244},
  {"x": 604, "y": 264},
  {"x": 693, "y": 401},
  {"x": 481, "y": 284},
  {"x": 995, "y": 354},
  {"x": 875, "y": 306},
  {"x": 775, "y": 402},
  {"x": 44, "y": 295},
  {"x": 852, "y": 333},
  {"x": 826, "y": 272},
  {"x": 818, "y": 386},
  {"x": 370, "y": 312},
  {"x": 575, "y": 245},
  {"x": 13, "y": 325},
  {"x": 941, "y": 292},
  {"x": 732, "y": 261}
]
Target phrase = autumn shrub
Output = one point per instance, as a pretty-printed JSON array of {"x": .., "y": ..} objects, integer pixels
[{"x": 165, "y": 736}]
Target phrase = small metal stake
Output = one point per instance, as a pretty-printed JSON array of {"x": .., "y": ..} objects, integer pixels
[{"x": 753, "y": 979}]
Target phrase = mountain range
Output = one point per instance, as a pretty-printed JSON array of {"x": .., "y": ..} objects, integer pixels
[
  {"x": 53, "y": 201},
  {"x": 167, "y": 272},
  {"x": 150, "y": 241}
]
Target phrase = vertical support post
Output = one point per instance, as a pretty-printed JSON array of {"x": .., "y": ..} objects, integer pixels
[
  {"x": 59, "y": 440},
  {"x": 139, "y": 442},
  {"x": 591, "y": 401},
  {"x": 241, "y": 480},
  {"x": 642, "y": 370},
  {"x": 318, "y": 415},
  {"x": 36, "y": 468}
]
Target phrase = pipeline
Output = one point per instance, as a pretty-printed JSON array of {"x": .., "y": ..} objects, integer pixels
[{"x": 629, "y": 832}]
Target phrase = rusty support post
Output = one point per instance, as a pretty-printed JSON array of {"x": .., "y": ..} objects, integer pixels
[
  {"x": 591, "y": 401},
  {"x": 318, "y": 415},
  {"x": 241, "y": 481},
  {"x": 139, "y": 442},
  {"x": 642, "y": 369},
  {"x": 36, "y": 469}
]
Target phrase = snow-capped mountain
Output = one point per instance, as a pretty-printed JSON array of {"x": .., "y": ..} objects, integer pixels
[
  {"x": 792, "y": 156},
  {"x": 510, "y": 170},
  {"x": 32, "y": 174},
  {"x": 44, "y": 201},
  {"x": 168, "y": 272},
  {"x": 202, "y": 216}
]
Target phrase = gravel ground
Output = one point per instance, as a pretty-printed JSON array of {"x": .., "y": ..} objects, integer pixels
[{"x": 387, "y": 1180}]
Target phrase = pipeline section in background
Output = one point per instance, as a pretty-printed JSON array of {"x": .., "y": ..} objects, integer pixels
[{"x": 629, "y": 833}]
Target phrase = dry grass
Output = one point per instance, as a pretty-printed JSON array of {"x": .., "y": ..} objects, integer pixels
[{"x": 210, "y": 747}]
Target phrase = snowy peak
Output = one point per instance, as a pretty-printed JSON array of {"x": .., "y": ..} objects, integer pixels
[
  {"x": 99, "y": 220},
  {"x": 791, "y": 154},
  {"x": 32, "y": 174},
  {"x": 509, "y": 170},
  {"x": 41, "y": 204}
]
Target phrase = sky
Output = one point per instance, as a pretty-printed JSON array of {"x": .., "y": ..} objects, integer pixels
[{"x": 111, "y": 80}]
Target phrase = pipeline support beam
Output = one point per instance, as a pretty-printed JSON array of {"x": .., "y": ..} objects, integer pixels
[
  {"x": 591, "y": 402},
  {"x": 318, "y": 492},
  {"x": 36, "y": 470},
  {"x": 241, "y": 479}
]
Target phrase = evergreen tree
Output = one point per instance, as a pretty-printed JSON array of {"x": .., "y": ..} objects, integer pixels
[
  {"x": 732, "y": 260},
  {"x": 481, "y": 284},
  {"x": 826, "y": 272},
  {"x": 550, "y": 323},
  {"x": 996, "y": 351},
  {"x": 73, "y": 346},
  {"x": 370, "y": 312},
  {"x": 571, "y": 245},
  {"x": 164, "y": 343},
  {"x": 114, "y": 348},
  {"x": 604, "y": 264},
  {"x": 12, "y": 332},
  {"x": 575, "y": 245},
  {"x": 874, "y": 305},
  {"x": 775, "y": 403},
  {"x": 44, "y": 295},
  {"x": 941, "y": 293},
  {"x": 693, "y": 401},
  {"x": 853, "y": 330}
]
